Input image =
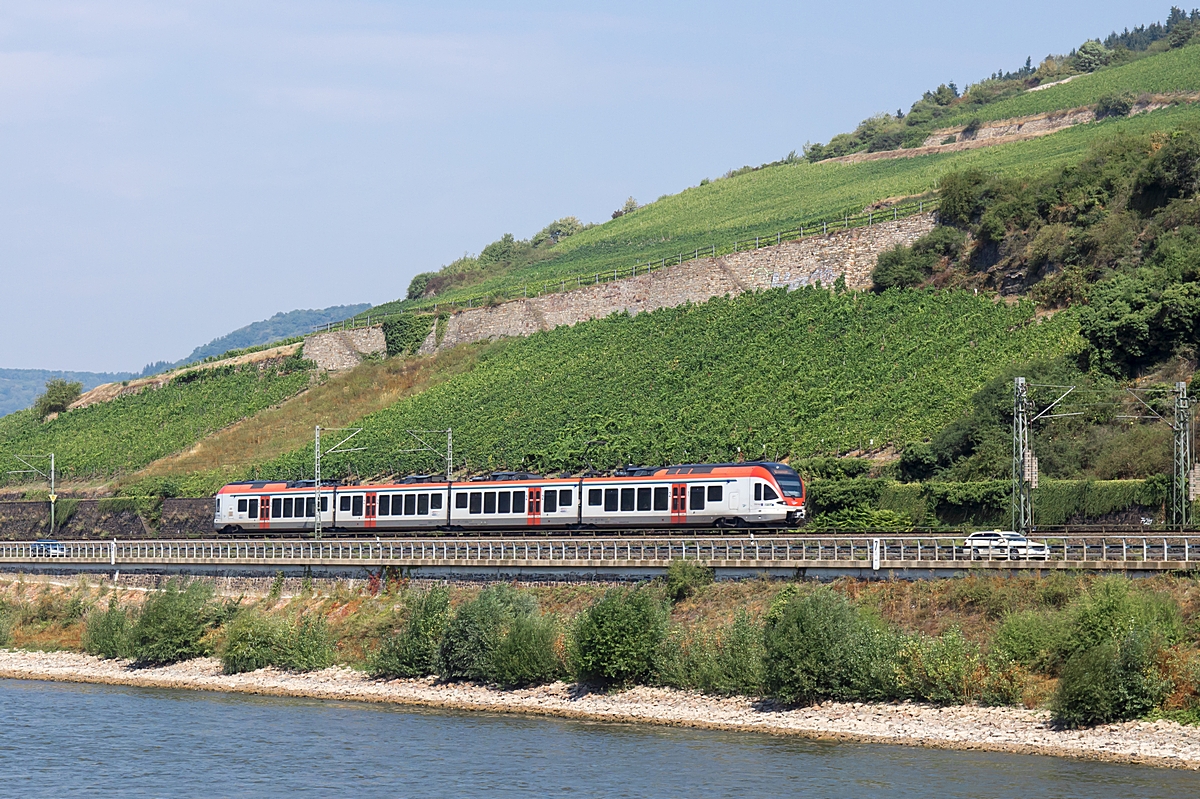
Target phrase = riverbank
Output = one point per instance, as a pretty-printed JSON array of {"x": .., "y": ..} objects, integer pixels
[{"x": 1017, "y": 730}]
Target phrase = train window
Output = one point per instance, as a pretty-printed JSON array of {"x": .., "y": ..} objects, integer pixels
[
  {"x": 435, "y": 501},
  {"x": 345, "y": 505},
  {"x": 550, "y": 500},
  {"x": 385, "y": 505},
  {"x": 564, "y": 498},
  {"x": 410, "y": 504},
  {"x": 287, "y": 507},
  {"x": 610, "y": 499},
  {"x": 422, "y": 504},
  {"x": 476, "y": 502},
  {"x": 627, "y": 499},
  {"x": 356, "y": 506},
  {"x": 241, "y": 506},
  {"x": 696, "y": 500},
  {"x": 310, "y": 507},
  {"x": 460, "y": 500},
  {"x": 505, "y": 505},
  {"x": 662, "y": 498},
  {"x": 758, "y": 492},
  {"x": 595, "y": 497},
  {"x": 324, "y": 505},
  {"x": 253, "y": 512},
  {"x": 277, "y": 507},
  {"x": 643, "y": 499},
  {"x": 714, "y": 493},
  {"x": 489, "y": 502},
  {"x": 769, "y": 493},
  {"x": 518, "y": 502}
]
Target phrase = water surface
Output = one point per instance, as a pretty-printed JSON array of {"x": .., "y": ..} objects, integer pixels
[{"x": 60, "y": 739}]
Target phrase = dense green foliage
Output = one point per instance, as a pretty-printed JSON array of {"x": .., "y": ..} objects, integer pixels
[
  {"x": 405, "y": 333},
  {"x": 725, "y": 661},
  {"x": 477, "y": 631},
  {"x": 1117, "y": 233},
  {"x": 57, "y": 397},
  {"x": 254, "y": 640},
  {"x": 172, "y": 623},
  {"x": 129, "y": 432},
  {"x": 908, "y": 267},
  {"x": 412, "y": 651},
  {"x": 819, "y": 645},
  {"x": 106, "y": 633},
  {"x": 685, "y": 578},
  {"x": 776, "y": 373},
  {"x": 617, "y": 638}
]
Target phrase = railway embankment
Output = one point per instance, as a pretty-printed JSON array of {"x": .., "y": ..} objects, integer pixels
[{"x": 1160, "y": 743}]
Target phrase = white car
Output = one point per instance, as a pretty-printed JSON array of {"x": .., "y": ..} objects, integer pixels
[{"x": 989, "y": 544}]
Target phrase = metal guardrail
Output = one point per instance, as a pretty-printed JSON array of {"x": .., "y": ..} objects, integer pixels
[
  {"x": 743, "y": 551},
  {"x": 564, "y": 283}
]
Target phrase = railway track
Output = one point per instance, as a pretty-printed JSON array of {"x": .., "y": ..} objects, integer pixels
[{"x": 632, "y": 554}]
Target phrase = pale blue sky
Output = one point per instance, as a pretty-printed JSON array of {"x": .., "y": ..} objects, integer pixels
[{"x": 174, "y": 170}]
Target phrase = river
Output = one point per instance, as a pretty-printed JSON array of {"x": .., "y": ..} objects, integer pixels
[{"x": 61, "y": 739}]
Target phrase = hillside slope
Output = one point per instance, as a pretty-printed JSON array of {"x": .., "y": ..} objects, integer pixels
[
  {"x": 785, "y": 197},
  {"x": 20, "y": 387},
  {"x": 775, "y": 373}
]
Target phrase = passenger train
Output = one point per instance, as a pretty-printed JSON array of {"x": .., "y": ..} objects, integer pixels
[{"x": 689, "y": 495}]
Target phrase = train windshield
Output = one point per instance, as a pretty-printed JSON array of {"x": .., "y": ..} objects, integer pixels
[{"x": 788, "y": 480}]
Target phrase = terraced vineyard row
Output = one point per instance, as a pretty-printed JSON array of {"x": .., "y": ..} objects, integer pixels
[
  {"x": 772, "y": 373},
  {"x": 129, "y": 432},
  {"x": 784, "y": 198}
]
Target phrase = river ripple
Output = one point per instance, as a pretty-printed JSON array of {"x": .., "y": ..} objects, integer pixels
[{"x": 59, "y": 739}]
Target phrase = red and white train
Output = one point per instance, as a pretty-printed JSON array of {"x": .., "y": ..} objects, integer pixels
[{"x": 689, "y": 495}]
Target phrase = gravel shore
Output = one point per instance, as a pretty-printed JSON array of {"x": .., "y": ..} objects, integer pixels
[{"x": 1162, "y": 743}]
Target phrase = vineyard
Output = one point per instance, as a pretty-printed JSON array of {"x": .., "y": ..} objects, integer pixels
[
  {"x": 786, "y": 197},
  {"x": 771, "y": 373},
  {"x": 1172, "y": 71},
  {"x": 116, "y": 437}
]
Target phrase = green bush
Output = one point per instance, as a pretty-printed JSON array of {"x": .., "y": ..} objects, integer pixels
[
  {"x": 900, "y": 268},
  {"x": 1112, "y": 681},
  {"x": 685, "y": 578},
  {"x": 413, "y": 651},
  {"x": 727, "y": 662},
  {"x": 474, "y": 635},
  {"x": 58, "y": 396},
  {"x": 106, "y": 633},
  {"x": 308, "y": 645},
  {"x": 940, "y": 669},
  {"x": 1110, "y": 611},
  {"x": 1004, "y": 682},
  {"x": 615, "y": 640},
  {"x": 820, "y": 646},
  {"x": 527, "y": 655},
  {"x": 1033, "y": 638},
  {"x": 6, "y": 625},
  {"x": 253, "y": 640},
  {"x": 1115, "y": 105},
  {"x": 172, "y": 623}
]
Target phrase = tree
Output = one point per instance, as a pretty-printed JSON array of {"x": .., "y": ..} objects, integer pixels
[{"x": 57, "y": 398}]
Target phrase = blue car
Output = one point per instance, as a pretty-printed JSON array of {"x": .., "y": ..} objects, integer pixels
[{"x": 47, "y": 548}]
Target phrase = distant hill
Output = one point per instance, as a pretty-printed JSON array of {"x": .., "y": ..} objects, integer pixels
[
  {"x": 279, "y": 327},
  {"x": 20, "y": 387}
]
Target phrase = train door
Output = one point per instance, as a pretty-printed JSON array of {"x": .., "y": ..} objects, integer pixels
[
  {"x": 533, "y": 508},
  {"x": 264, "y": 513},
  {"x": 371, "y": 508},
  {"x": 678, "y": 503}
]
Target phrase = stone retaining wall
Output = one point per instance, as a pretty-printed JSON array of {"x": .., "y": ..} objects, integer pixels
[
  {"x": 344, "y": 349},
  {"x": 821, "y": 259},
  {"x": 180, "y": 518}
]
